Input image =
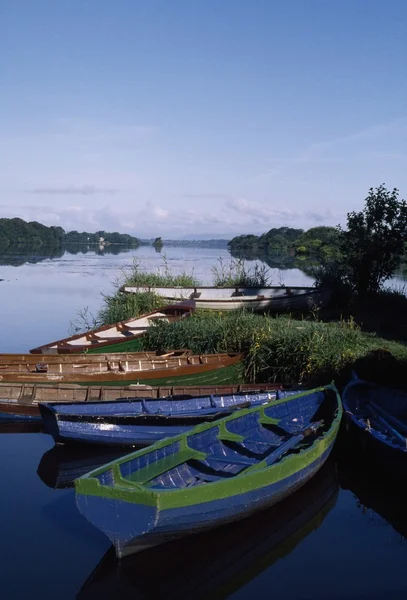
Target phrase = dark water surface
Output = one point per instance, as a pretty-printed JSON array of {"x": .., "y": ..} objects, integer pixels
[{"x": 343, "y": 536}]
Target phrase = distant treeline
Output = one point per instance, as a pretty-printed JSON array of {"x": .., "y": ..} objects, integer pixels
[
  {"x": 322, "y": 241},
  {"x": 17, "y": 232}
]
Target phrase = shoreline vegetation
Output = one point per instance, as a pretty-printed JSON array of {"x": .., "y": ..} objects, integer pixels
[
  {"x": 310, "y": 349},
  {"x": 364, "y": 329}
]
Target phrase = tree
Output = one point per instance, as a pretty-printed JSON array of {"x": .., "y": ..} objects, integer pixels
[
  {"x": 158, "y": 244},
  {"x": 374, "y": 243}
]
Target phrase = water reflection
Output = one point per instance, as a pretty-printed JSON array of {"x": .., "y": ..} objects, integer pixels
[
  {"x": 62, "y": 464},
  {"x": 216, "y": 563},
  {"x": 380, "y": 499},
  {"x": 20, "y": 426},
  {"x": 16, "y": 256}
]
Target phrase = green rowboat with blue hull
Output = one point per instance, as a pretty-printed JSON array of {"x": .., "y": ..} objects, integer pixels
[{"x": 213, "y": 474}]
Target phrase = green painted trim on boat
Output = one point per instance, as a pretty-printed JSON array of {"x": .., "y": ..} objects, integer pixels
[
  {"x": 128, "y": 491},
  {"x": 225, "y": 434}
]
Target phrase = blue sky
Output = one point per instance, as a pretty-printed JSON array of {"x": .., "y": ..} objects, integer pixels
[{"x": 200, "y": 116}]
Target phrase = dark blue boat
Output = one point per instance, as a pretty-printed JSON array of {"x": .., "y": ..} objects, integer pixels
[
  {"x": 376, "y": 422},
  {"x": 213, "y": 474},
  {"x": 140, "y": 421}
]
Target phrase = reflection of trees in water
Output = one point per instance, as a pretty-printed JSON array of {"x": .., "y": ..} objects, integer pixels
[
  {"x": 16, "y": 256},
  {"x": 282, "y": 261}
]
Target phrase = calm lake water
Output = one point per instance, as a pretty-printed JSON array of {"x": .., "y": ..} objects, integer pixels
[{"x": 343, "y": 536}]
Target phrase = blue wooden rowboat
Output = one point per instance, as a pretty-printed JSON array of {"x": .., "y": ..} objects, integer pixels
[
  {"x": 218, "y": 562},
  {"x": 376, "y": 422},
  {"x": 216, "y": 473},
  {"x": 140, "y": 421}
]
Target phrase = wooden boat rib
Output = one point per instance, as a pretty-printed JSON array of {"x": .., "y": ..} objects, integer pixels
[
  {"x": 121, "y": 336},
  {"x": 376, "y": 419},
  {"x": 220, "y": 561},
  {"x": 23, "y": 399},
  {"x": 270, "y": 298},
  {"x": 140, "y": 422},
  {"x": 213, "y": 474},
  {"x": 190, "y": 369}
]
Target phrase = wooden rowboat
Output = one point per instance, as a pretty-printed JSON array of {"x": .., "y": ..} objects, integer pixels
[
  {"x": 124, "y": 336},
  {"x": 33, "y": 359},
  {"x": 140, "y": 422},
  {"x": 215, "y": 473},
  {"x": 221, "y": 561},
  {"x": 376, "y": 423},
  {"x": 259, "y": 299},
  {"x": 23, "y": 399},
  {"x": 188, "y": 370}
]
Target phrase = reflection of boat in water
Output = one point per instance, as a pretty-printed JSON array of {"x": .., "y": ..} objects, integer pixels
[
  {"x": 21, "y": 426},
  {"x": 215, "y": 563},
  {"x": 381, "y": 495},
  {"x": 60, "y": 466}
]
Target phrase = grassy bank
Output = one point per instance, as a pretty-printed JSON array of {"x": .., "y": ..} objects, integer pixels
[{"x": 284, "y": 349}]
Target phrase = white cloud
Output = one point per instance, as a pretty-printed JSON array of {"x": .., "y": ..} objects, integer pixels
[{"x": 72, "y": 190}]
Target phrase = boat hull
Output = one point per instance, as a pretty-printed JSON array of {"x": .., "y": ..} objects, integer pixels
[
  {"x": 381, "y": 451},
  {"x": 220, "y": 561},
  {"x": 23, "y": 399},
  {"x": 226, "y": 370},
  {"x": 257, "y": 299},
  {"x": 139, "y": 423},
  {"x": 138, "y": 527}
]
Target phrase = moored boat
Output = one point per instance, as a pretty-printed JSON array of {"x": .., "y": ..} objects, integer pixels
[
  {"x": 124, "y": 336},
  {"x": 376, "y": 423},
  {"x": 24, "y": 398},
  {"x": 186, "y": 369},
  {"x": 258, "y": 299},
  {"x": 140, "y": 422},
  {"x": 221, "y": 561},
  {"x": 214, "y": 474}
]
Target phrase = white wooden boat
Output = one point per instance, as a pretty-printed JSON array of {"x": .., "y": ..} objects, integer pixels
[
  {"x": 124, "y": 336},
  {"x": 270, "y": 298}
]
